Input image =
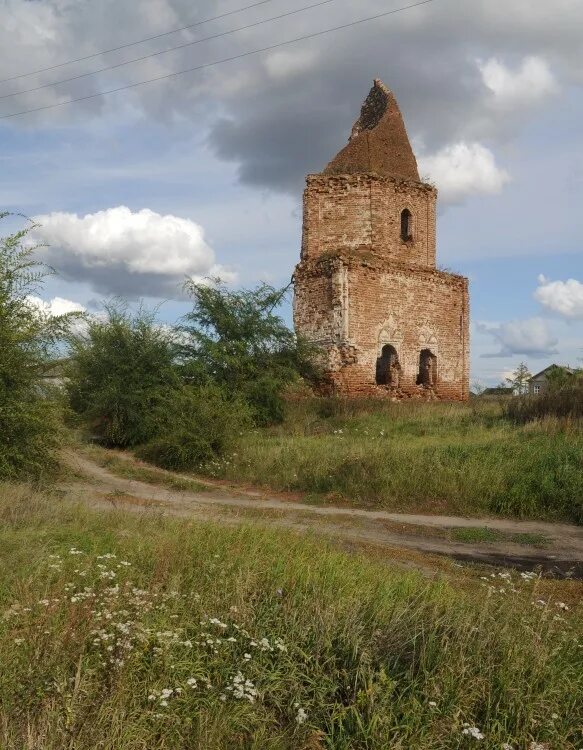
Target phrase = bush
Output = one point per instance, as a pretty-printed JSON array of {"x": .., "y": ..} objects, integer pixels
[
  {"x": 195, "y": 425},
  {"x": 565, "y": 402},
  {"x": 264, "y": 397},
  {"x": 235, "y": 339},
  {"x": 29, "y": 414},
  {"x": 120, "y": 373}
]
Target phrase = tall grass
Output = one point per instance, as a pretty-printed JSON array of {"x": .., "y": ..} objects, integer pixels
[
  {"x": 418, "y": 457},
  {"x": 564, "y": 403},
  {"x": 126, "y": 632}
]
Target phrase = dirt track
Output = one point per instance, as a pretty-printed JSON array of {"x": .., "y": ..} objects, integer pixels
[{"x": 422, "y": 533}]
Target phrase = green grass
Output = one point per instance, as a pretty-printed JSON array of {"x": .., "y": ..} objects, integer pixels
[
  {"x": 377, "y": 658},
  {"x": 121, "y": 467},
  {"x": 451, "y": 458},
  {"x": 490, "y": 536}
]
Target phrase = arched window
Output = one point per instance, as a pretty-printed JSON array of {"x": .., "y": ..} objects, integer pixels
[
  {"x": 427, "y": 375},
  {"x": 388, "y": 367},
  {"x": 406, "y": 225}
]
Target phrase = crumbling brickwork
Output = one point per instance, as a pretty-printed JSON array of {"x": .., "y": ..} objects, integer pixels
[{"x": 366, "y": 288}]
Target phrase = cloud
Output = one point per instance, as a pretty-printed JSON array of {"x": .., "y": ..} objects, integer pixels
[
  {"x": 531, "y": 337},
  {"x": 530, "y": 83},
  {"x": 280, "y": 115},
  {"x": 563, "y": 297},
  {"x": 118, "y": 251},
  {"x": 55, "y": 306},
  {"x": 463, "y": 169}
]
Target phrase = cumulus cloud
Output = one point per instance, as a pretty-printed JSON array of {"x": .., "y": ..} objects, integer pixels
[
  {"x": 55, "y": 306},
  {"x": 531, "y": 337},
  {"x": 528, "y": 84},
  {"x": 118, "y": 251},
  {"x": 463, "y": 169},
  {"x": 563, "y": 297}
]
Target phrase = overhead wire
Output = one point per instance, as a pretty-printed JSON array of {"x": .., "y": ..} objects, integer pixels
[
  {"x": 204, "y": 66},
  {"x": 170, "y": 49},
  {"x": 138, "y": 41}
]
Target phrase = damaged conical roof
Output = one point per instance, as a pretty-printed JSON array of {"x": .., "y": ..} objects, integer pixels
[{"x": 378, "y": 143}]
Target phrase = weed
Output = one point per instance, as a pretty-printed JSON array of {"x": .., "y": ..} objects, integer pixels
[{"x": 125, "y": 632}]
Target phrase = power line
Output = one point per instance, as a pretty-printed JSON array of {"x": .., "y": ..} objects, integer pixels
[
  {"x": 219, "y": 62},
  {"x": 138, "y": 41},
  {"x": 170, "y": 49}
]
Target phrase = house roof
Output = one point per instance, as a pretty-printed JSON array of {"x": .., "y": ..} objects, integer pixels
[
  {"x": 379, "y": 143},
  {"x": 550, "y": 367}
]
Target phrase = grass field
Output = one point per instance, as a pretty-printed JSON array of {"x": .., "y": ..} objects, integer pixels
[
  {"x": 417, "y": 456},
  {"x": 123, "y": 633}
]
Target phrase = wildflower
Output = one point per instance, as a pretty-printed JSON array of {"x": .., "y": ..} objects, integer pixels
[
  {"x": 473, "y": 732},
  {"x": 433, "y": 704},
  {"x": 191, "y": 682},
  {"x": 246, "y": 657},
  {"x": 301, "y": 716},
  {"x": 19, "y": 641}
]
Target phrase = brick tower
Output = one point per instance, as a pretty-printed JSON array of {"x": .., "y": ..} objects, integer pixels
[{"x": 366, "y": 289}]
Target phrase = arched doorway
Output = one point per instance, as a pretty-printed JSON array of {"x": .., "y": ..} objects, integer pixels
[
  {"x": 388, "y": 367},
  {"x": 427, "y": 375}
]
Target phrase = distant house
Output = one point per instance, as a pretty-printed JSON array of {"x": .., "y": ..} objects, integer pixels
[{"x": 539, "y": 383}]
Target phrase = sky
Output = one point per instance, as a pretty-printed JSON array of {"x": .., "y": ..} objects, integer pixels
[{"x": 201, "y": 173}]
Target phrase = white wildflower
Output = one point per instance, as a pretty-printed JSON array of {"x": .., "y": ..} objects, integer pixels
[
  {"x": 473, "y": 732},
  {"x": 301, "y": 716}
]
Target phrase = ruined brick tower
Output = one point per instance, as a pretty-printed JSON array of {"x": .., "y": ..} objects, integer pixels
[{"x": 366, "y": 289}]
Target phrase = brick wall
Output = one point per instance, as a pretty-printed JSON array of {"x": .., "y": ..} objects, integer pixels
[
  {"x": 352, "y": 305},
  {"x": 360, "y": 211}
]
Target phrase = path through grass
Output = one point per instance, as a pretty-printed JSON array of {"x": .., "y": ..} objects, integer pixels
[{"x": 446, "y": 458}]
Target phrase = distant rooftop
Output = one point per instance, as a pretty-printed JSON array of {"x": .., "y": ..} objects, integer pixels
[{"x": 379, "y": 143}]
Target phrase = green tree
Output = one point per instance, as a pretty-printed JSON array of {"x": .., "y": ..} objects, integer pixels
[
  {"x": 121, "y": 370},
  {"x": 237, "y": 340},
  {"x": 562, "y": 377},
  {"x": 519, "y": 379},
  {"x": 29, "y": 410}
]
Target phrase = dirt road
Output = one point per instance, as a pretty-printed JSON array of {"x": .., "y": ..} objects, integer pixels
[{"x": 562, "y": 553}]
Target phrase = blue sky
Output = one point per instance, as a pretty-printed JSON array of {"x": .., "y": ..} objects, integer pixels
[{"x": 492, "y": 101}]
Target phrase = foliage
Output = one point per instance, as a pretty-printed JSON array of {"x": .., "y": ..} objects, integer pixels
[
  {"x": 29, "y": 412},
  {"x": 121, "y": 371},
  {"x": 195, "y": 425},
  {"x": 144, "y": 624},
  {"x": 561, "y": 377},
  {"x": 235, "y": 339},
  {"x": 519, "y": 379},
  {"x": 418, "y": 457},
  {"x": 563, "y": 401}
]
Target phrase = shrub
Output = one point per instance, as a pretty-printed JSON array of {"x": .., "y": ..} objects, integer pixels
[
  {"x": 196, "y": 424},
  {"x": 236, "y": 340},
  {"x": 29, "y": 414},
  {"x": 120, "y": 373},
  {"x": 564, "y": 402}
]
